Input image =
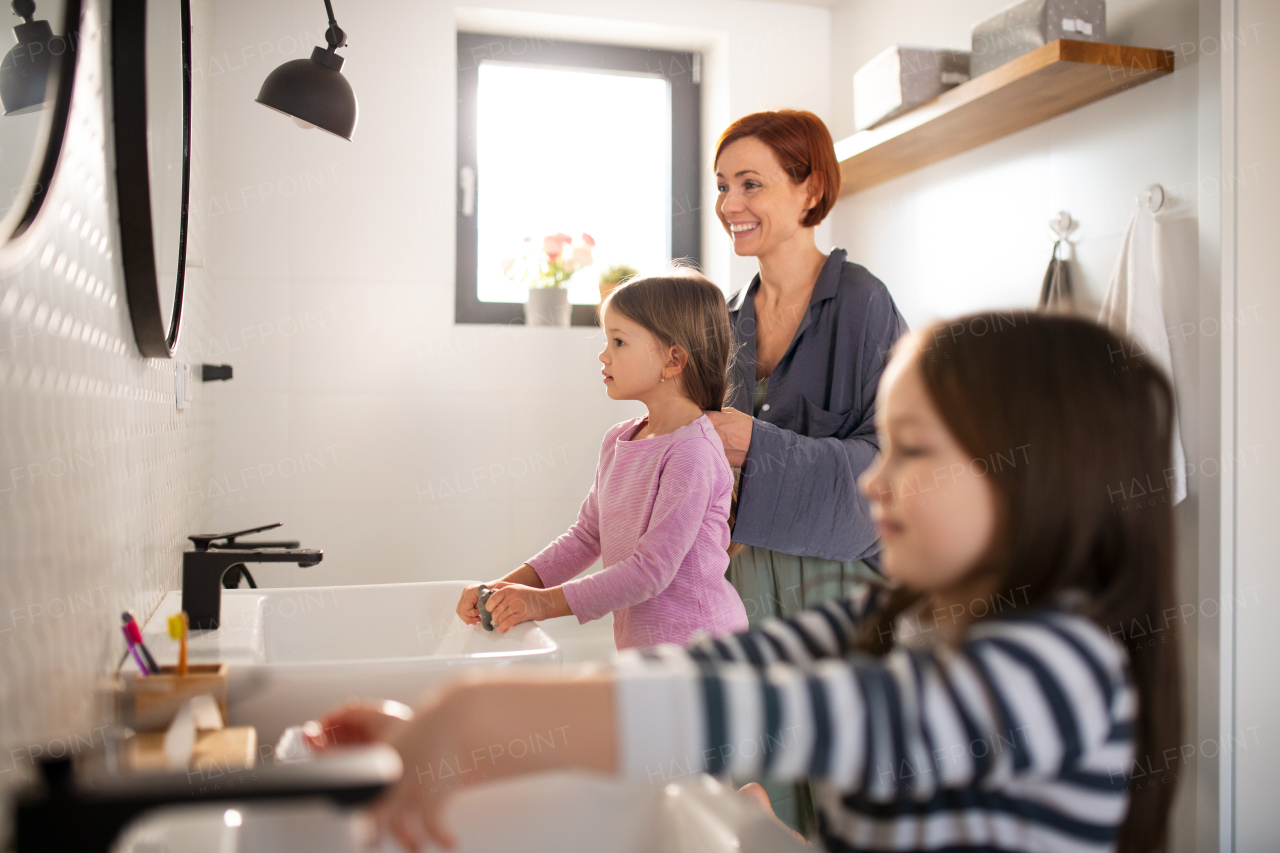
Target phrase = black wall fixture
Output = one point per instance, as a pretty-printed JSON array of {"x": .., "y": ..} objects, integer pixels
[
  {"x": 313, "y": 91},
  {"x": 151, "y": 95}
]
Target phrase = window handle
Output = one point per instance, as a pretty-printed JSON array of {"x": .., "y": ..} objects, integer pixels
[{"x": 467, "y": 183}]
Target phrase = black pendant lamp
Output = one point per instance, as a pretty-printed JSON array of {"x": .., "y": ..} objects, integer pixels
[
  {"x": 313, "y": 91},
  {"x": 24, "y": 71}
]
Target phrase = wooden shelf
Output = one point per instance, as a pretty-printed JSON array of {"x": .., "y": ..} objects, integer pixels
[{"x": 1051, "y": 80}]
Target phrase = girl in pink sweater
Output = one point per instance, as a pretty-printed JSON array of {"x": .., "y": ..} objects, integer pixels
[{"x": 659, "y": 510}]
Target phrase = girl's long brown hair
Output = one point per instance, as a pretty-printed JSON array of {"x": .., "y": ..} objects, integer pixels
[
  {"x": 1074, "y": 427},
  {"x": 683, "y": 309}
]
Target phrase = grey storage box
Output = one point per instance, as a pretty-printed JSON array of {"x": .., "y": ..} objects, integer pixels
[
  {"x": 1029, "y": 24},
  {"x": 903, "y": 77}
]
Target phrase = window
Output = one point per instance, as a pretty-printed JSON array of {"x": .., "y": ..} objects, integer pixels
[{"x": 561, "y": 137}]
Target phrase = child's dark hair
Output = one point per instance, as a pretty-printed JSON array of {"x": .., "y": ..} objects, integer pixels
[
  {"x": 1078, "y": 414},
  {"x": 683, "y": 309}
]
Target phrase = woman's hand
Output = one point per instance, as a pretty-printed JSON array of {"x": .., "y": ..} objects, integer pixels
[
  {"x": 514, "y": 603},
  {"x": 734, "y": 428}
]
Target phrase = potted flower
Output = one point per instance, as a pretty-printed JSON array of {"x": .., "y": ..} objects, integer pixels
[
  {"x": 546, "y": 273},
  {"x": 614, "y": 276}
]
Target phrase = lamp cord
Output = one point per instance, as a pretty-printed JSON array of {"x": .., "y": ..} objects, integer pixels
[{"x": 334, "y": 35}]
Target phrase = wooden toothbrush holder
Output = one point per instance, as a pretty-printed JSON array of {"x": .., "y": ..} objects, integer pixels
[{"x": 151, "y": 702}]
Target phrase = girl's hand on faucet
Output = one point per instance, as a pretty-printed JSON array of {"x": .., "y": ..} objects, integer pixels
[{"x": 515, "y": 603}]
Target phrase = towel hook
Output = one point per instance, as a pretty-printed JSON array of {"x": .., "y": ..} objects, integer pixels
[
  {"x": 1062, "y": 225},
  {"x": 1152, "y": 198}
]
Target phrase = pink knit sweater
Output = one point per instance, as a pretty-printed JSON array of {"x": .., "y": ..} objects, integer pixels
[{"x": 658, "y": 515}]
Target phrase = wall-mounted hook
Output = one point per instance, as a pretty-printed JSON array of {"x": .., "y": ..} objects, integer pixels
[
  {"x": 1152, "y": 198},
  {"x": 1062, "y": 225}
]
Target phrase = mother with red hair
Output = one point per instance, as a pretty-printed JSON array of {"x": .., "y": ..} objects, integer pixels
[{"x": 812, "y": 335}]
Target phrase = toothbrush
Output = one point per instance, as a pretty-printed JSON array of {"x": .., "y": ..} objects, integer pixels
[
  {"x": 142, "y": 666},
  {"x": 178, "y": 630},
  {"x": 134, "y": 633}
]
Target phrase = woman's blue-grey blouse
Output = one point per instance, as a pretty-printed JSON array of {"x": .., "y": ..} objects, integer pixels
[{"x": 815, "y": 433}]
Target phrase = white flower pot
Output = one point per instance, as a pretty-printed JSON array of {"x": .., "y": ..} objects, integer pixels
[{"x": 547, "y": 306}]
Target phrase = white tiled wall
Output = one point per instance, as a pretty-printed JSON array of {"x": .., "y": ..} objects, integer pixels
[
  {"x": 406, "y": 447},
  {"x": 96, "y": 463}
]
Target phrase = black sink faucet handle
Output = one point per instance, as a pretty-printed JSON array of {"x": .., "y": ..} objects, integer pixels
[{"x": 204, "y": 540}]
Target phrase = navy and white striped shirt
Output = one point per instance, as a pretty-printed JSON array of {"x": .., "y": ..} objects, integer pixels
[{"x": 1019, "y": 738}]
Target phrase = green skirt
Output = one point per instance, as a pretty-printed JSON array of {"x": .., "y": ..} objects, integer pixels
[{"x": 775, "y": 584}]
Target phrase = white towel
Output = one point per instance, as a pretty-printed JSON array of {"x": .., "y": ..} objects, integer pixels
[{"x": 1134, "y": 307}]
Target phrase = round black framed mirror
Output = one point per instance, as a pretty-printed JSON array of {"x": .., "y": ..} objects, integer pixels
[
  {"x": 36, "y": 76},
  {"x": 151, "y": 95}
]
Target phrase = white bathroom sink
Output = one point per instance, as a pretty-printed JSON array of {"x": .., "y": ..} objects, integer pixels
[
  {"x": 551, "y": 812},
  {"x": 296, "y": 652}
]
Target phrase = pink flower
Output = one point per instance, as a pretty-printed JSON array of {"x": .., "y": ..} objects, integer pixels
[
  {"x": 580, "y": 258},
  {"x": 554, "y": 245},
  {"x": 588, "y": 239}
]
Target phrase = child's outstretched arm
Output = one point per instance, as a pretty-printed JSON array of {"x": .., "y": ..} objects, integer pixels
[
  {"x": 1042, "y": 700},
  {"x": 466, "y": 735}
]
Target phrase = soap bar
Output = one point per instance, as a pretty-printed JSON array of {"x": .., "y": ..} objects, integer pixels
[{"x": 486, "y": 618}]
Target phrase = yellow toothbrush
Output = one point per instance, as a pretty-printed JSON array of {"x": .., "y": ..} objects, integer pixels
[{"x": 178, "y": 630}]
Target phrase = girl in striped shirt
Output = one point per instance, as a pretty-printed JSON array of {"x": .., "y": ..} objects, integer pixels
[
  {"x": 989, "y": 698},
  {"x": 658, "y": 514}
]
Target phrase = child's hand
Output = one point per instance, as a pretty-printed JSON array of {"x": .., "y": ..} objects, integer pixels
[
  {"x": 357, "y": 723},
  {"x": 515, "y": 603},
  {"x": 469, "y": 603}
]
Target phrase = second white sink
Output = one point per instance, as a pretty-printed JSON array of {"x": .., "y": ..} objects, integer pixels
[{"x": 296, "y": 652}]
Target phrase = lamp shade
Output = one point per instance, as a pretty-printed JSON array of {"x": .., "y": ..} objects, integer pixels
[
  {"x": 24, "y": 71},
  {"x": 314, "y": 91}
]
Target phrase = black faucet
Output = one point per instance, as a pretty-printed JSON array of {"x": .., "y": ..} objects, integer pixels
[
  {"x": 69, "y": 809},
  {"x": 204, "y": 568}
]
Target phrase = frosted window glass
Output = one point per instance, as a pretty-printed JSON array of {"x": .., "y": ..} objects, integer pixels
[{"x": 571, "y": 151}]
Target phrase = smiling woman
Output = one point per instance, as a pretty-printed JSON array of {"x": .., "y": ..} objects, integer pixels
[{"x": 812, "y": 333}]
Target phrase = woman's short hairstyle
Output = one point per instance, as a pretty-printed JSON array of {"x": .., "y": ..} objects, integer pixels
[{"x": 804, "y": 148}]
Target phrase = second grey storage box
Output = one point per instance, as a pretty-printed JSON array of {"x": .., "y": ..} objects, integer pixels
[
  {"x": 904, "y": 77},
  {"x": 1029, "y": 24}
]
